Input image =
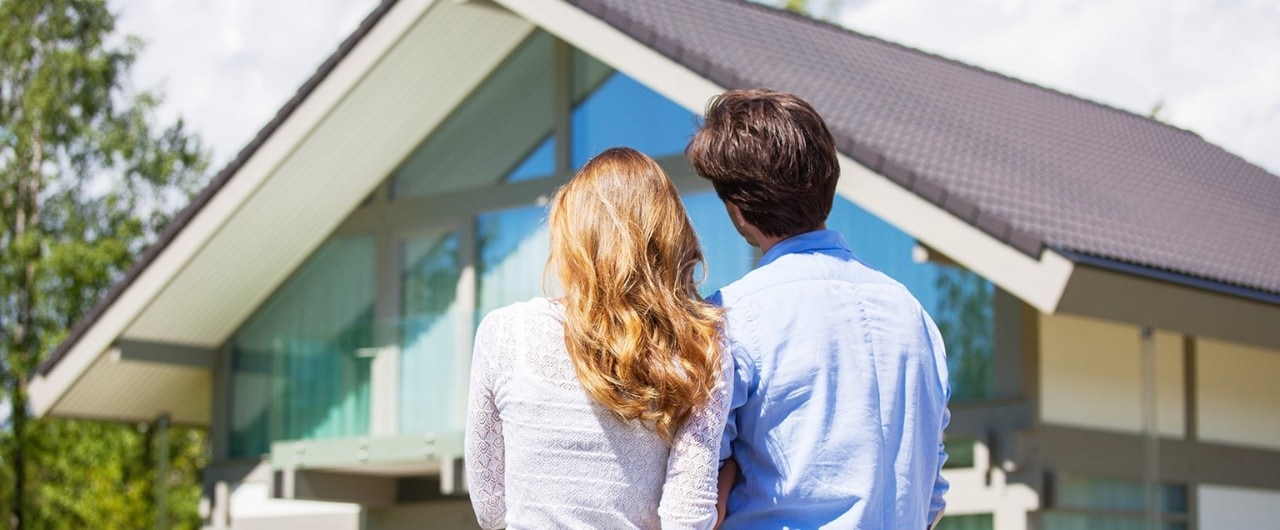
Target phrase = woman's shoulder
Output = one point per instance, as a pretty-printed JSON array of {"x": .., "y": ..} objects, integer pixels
[{"x": 532, "y": 310}]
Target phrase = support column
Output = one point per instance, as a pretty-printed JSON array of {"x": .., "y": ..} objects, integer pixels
[
  {"x": 1151, "y": 429},
  {"x": 161, "y": 484}
]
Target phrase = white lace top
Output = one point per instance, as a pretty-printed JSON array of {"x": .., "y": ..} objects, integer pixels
[{"x": 541, "y": 454}]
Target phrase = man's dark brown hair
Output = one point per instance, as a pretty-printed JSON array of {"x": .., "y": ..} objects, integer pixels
[{"x": 771, "y": 155}]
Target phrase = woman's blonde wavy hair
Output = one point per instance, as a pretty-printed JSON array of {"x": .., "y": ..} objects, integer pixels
[{"x": 643, "y": 342}]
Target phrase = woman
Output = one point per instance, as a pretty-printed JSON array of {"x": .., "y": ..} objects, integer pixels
[{"x": 604, "y": 408}]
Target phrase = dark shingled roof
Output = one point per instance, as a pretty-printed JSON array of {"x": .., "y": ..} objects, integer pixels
[{"x": 1028, "y": 165}]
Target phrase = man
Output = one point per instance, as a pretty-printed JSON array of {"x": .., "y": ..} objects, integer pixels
[{"x": 841, "y": 389}]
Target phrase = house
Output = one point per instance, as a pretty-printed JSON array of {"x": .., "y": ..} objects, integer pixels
[{"x": 1107, "y": 284}]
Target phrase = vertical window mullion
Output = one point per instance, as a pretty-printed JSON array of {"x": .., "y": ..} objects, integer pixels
[{"x": 466, "y": 307}]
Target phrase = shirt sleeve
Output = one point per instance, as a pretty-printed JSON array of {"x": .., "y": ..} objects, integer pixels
[
  {"x": 483, "y": 445},
  {"x": 689, "y": 492},
  {"x": 740, "y": 379},
  {"x": 940, "y": 485}
]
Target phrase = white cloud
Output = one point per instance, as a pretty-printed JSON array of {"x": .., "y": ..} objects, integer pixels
[
  {"x": 1215, "y": 65},
  {"x": 227, "y": 66}
]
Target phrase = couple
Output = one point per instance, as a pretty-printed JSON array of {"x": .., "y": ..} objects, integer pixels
[{"x": 810, "y": 393}]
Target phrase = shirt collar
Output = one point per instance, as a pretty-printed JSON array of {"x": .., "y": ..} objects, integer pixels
[{"x": 817, "y": 240}]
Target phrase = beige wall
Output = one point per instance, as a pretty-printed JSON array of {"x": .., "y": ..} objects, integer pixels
[
  {"x": 1091, "y": 375},
  {"x": 1238, "y": 394},
  {"x": 443, "y": 514},
  {"x": 1223, "y": 507}
]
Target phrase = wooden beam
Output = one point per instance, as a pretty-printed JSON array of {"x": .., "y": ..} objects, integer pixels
[{"x": 165, "y": 353}]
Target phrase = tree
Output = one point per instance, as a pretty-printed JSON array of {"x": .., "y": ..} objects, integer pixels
[
  {"x": 829, "y": 12},
  {"x": 84, "y": 183}
]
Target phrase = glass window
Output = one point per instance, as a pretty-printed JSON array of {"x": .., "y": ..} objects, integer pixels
[
  {"x": 512, "y": 247},
  {"x": 1100, "y": 493},
  {"x": 502, "y": 129},
  {"x": 1081, "y": 521},
  {"x": 429, "y": 400},
  {"x": 984, "y": 521},
  {"x": 1089, "y": 502},
  {"x": 300, "y": 364},
  {"x": 959, "y": 452},
  {"x": 959, "y": 301},
  {"x": 619, "y": 111},
  {"x": 541, "y": 163},
  {"x": 728, "y": 255}
]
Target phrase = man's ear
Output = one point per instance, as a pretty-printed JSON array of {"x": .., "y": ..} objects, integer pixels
[{"x": 735, "y": 214}]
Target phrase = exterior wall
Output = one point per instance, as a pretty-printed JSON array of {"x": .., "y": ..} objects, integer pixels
[
  {"x": 1238, "y": 398},
  {"x": 252, "y": 508},
  {"x": 1227, "y": 507},
  {"x": 444, "y": 514},
  {"x": 1091, "y": 375}
]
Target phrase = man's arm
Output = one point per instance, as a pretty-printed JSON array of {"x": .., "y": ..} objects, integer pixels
[
  {"x": 728, "y": 474},
  {"x": 937, "y": 504}
]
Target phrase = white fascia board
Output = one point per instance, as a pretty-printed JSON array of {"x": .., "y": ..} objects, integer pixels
[
  {"x": 1039, "y": 282},
  {"x": 45, "y": 390}
]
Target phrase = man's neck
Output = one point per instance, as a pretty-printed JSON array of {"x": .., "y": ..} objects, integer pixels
[{"x": 768, "y": 242}]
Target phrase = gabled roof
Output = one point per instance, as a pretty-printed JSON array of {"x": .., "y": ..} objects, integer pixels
[
  {"x": 1031, "y": 167},
  {"x": 1028, "y": 165}
]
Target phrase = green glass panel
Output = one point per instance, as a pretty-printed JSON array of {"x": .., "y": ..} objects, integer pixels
[
  {"x": 429, "y": 399},
  {"x": 959, "y": 453},
  {"x": 1111, "y": 494},
  {"x": 300, "y": 364},
  {"x": 983, "y": 521},
  {"x": 1081, "y": 521}
]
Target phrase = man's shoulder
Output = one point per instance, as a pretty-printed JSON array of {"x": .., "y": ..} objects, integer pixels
[{"x": 784, "y": 276}]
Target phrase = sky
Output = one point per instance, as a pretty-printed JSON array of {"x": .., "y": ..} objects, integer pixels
[{"x": 226, "y": 66}]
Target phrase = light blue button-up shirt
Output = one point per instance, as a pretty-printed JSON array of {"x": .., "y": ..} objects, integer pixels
[{"x": 840, "y": 394}]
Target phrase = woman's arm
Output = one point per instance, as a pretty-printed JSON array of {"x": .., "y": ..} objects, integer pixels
[
  {"x": 689, "y": 495},
  {"x": 483, "y": 444}
]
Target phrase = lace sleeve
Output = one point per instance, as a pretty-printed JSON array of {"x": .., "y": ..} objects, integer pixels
[
  {"x": 689, "y": 493},
  {"x": 484, "y": 449}
]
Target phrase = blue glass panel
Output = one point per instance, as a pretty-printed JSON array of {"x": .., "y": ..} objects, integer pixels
[
  {"x": 513, "y": 246},
  {"x": 728, "y": 255},
  {"x": 959, "y": 301},
  {"x": 540, "y": 163},
  {"x": 429, "y": 398},
  {"x": 623, "y": 112},
  {"x": 300, "y": 368}
]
